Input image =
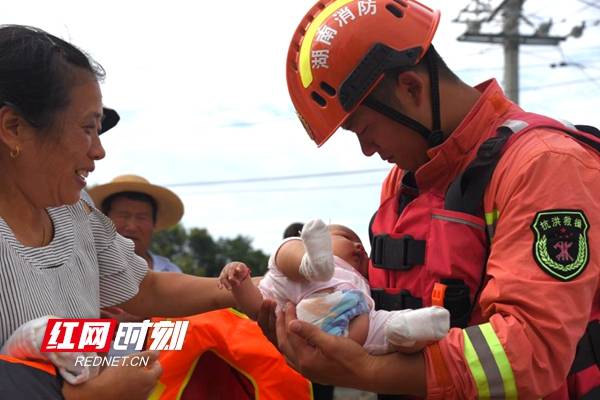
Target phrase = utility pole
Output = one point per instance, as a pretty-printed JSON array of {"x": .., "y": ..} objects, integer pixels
[
  {"x": 512, "y": 12},
  {"x": 510, "y": 37}
]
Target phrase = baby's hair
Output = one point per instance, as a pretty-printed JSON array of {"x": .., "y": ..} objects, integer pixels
[
  {"x": 293, "y": 230},
  {"x": 344, "y": 228}
]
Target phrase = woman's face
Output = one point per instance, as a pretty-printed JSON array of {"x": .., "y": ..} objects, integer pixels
[{"x": 56, "y": 164}]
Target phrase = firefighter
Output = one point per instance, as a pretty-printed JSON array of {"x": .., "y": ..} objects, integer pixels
[{"x": 488, "y": 210}]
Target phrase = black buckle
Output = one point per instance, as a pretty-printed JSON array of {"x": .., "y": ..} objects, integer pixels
[
  {"x": 458, "y": 301},
  {"x": 397, "y": 254},
  {"x": 398, "y": 301},
  {"x": 492, "y": 147},
  {"x": 435, "y": 138}
]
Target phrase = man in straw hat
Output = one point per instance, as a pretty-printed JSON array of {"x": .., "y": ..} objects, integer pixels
[{"x": 138, "y": 209}]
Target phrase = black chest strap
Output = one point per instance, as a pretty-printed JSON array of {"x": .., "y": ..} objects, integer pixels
[
  {"x": 456, "y": 300},
  {"x": 395, "y": 301},
  {"x": 465, "y": 193},
  {"x": 398, "y": 253}
]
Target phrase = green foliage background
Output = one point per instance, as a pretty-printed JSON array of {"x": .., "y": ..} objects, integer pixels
[{"x": 196, "y": 252}]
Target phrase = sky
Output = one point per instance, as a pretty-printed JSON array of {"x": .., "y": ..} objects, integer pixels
[{"x": 201, "y": 90}]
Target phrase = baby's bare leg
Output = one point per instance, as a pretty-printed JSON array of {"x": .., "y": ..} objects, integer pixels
[
  {"x": 248, "y": 298},
  {"x": 358, "y": 329},
  {"x": 235, "y": 276}
]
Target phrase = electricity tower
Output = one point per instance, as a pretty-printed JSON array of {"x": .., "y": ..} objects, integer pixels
[{"x": 480, "y": 12}]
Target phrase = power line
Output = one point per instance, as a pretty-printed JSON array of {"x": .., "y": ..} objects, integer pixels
[
  {"x": 287, "y": 189},
  {"x": 565, "y": 83},
  {"x": 590, "y": 4},
  {"x": 278, "y": 178},
  {"x": 579, "y": 66},
  {"x": 246, "y": 124},
  {"x": 546, "y": 65}
]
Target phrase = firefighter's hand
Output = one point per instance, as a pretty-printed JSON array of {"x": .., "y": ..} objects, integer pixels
[
  {"x": 267, "y": 320},
  {"x": 321, "y": 357},
  {"x": 233, "y": 274},
  {"x": 132, "y": 382}
]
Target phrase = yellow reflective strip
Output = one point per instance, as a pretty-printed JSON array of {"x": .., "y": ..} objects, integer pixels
[
  {"x": 491, "y": 217},
  {"x": 476, "y": 368},
  {"x": 158, "y": 390},
  {"x": 304, "y": 59},
  {"x": 510, "y": 387},
  {"x": 238, "y": 313}
]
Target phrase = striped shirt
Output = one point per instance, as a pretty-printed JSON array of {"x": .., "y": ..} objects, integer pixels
[{"x": 87, "y": 265}]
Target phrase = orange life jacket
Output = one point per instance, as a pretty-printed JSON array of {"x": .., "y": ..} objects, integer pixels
[
  {"x": 226, "y": 356},
  {"x": 41, "y": 365}
]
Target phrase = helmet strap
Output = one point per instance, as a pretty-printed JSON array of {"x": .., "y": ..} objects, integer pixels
[
  {"x": 436, "y": 135},
  {"x": 433, "y": 136},
  {"x": 397, "y": 116}
]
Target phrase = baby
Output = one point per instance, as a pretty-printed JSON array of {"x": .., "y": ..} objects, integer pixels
[{"x": 323, "y": 272}]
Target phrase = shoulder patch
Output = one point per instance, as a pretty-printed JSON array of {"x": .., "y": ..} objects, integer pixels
[{"x": 561, "y": 245}]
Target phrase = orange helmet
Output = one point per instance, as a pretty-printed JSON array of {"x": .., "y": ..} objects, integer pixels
[{"x": 341, "y": 50}]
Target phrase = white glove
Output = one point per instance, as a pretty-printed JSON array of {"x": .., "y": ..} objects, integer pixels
[
  {"x": 406, "y": 327},
  {"x": 26, "y": 341},
  {"x": 317, "y": 262}
]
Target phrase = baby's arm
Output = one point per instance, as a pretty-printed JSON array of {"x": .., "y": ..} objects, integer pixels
[
  {"x": 309, "y": 259},
  {"x": 235, "y": 276}
]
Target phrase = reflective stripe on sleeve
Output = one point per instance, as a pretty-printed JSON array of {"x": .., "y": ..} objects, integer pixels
[
  {"x": 491, "y": 218},
  {"x": 488, "y": 363}
]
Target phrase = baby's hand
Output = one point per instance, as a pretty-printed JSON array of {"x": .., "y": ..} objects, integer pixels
[
  {"x": 317, "y": 262},
  {"x": 233, "y": 274}
]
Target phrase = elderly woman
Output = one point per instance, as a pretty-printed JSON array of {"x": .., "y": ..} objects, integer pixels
[{"x": 58, "y": 254}]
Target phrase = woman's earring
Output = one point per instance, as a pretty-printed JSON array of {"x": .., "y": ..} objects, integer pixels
[{"x": 16, "y": 152}]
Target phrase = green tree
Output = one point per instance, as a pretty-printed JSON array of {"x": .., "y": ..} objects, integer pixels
[
  {"x": 204, "y": 250},
  {"x": 197, "y": 253},
  {"x": 173, "y": 244},
  {"x": 240, "y": 249}
]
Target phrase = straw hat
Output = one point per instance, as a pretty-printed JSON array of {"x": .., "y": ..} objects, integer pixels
[{"x": 169, "y": 206}]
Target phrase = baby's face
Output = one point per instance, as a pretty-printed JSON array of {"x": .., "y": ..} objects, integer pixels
[{"x": 347, "y": 245}]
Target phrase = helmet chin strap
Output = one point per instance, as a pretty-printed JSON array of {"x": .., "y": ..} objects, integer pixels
[{"x": 433, "y": 136}]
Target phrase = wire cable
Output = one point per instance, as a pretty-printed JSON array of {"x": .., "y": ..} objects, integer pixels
[
  {"x": 558, "y": 84},
  {"x": 277, "y": 178},
  {"x": 590, "y": 4},
  {"x": 285, "y": 189}
]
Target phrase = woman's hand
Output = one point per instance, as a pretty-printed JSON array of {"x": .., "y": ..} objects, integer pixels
[
  {"x": 321, "y": 357},
  {"x": 122, "y": 382}
]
